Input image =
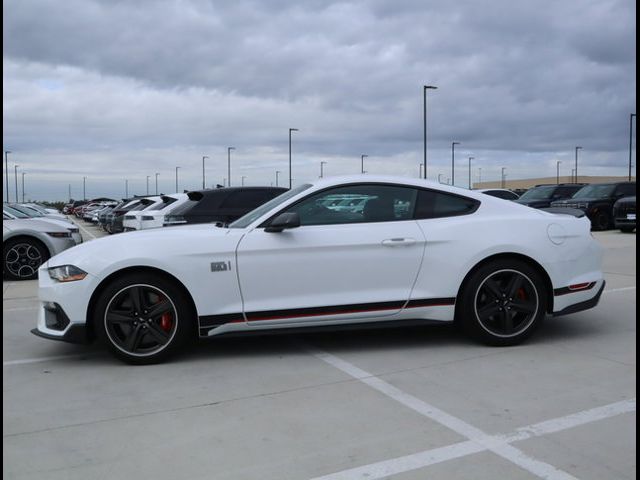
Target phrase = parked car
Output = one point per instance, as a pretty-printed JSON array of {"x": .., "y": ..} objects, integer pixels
[
  {"x": 500, "y": 193},
  {"x": 72, "y": 228},
  {"x": 27, "y": 243},
  {"x": 597, "y": 201},
  {"x": 153, "y": 217},
  {"x": 131, "y": 220},
  {"x": 417, "y": 252},
  {"x": 36, "y": 212},
  {"x": 624, "y": 214},
  {"x": 222, "y": 205},
  {"x": 541, "y": 196},
  {"x": 116, "y": 224}
]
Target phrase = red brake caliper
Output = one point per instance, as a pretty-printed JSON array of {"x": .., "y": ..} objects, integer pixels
[
  {"x": 521, "y": 294},
  {"x": 166, "y": 320}
]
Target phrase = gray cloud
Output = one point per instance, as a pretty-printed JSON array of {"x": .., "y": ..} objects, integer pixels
[{"x": 114, "y": 89}]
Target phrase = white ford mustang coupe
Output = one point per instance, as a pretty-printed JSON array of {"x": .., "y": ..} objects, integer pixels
[{"x": 371, "y": 251}]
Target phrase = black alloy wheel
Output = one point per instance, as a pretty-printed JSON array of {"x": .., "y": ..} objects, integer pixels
[
  {"x": 22, "y": 257},
  {"x": 143, "y": 319},
  {"x": 503, "y": 302},
  {"x": 600, "y": 221}
]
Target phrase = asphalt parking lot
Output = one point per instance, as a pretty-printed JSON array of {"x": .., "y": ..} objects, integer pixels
[{"x": 405, "y": 404}]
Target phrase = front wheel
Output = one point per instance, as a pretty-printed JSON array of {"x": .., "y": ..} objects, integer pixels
[
  {"x": 503, "y": 302},
  {"x": 600, "y": 221},
  {"x": 144, "y": 319}
]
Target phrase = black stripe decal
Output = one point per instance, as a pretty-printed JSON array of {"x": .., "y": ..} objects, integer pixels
[
  {"x": 208, "y": 322},
  {"x": 566, "y": 290}
]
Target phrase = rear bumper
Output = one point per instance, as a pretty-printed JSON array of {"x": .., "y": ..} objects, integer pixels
[{"x": 585, "y": 305}]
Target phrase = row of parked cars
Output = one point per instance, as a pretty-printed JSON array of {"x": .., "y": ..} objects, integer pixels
[
  {"x": 222, "y": 205},
  {"x": 608, "y": 205}
]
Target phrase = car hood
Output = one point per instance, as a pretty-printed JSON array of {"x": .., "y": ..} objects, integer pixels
[{"x": 156, "y": 248}]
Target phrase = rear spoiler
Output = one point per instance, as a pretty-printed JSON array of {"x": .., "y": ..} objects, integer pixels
[{"x": 575, "y": 212}]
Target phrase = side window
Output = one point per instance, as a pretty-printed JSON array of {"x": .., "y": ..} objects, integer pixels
[
  {"x": 626, "y": 189},
  {"x": 432, "y": 204},
  {"x": 357, "y": 204},
  {"x": 247, "y": 200}
]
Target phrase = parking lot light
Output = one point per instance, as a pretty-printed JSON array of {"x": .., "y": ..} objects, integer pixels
[
  {"x": 15, "y": 171},
  {"x": 577, "y": 148},
  {"x": 290, "y": 179},
  {"x": 453, "y": 149},
  {"x": 203, "y": 157},
  {"x": 6, "y": 170},
  {"x": 229, "y": 162},
  {"x": 558, "y": 172},
  {"x": 424, "y": 124},
  {"x": 157, "y": 182},
  {"x": 148, "y": 184},
  {"x": 177, "y": 179},
  {"x": 631, "y": 117},
  {"x": 362, "y": 157}
]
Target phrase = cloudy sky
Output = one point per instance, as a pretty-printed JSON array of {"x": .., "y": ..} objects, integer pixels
[{"x": 113, "y": 90}]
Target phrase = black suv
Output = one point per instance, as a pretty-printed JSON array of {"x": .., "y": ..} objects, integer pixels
[
  {"x": 597, "y": 201},
  {"x": 222, "y": 205},
  {"x": 541, "y": 196},
  {"x": 624, "y": 214}
]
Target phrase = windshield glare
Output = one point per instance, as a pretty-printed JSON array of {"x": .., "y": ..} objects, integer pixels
[
  {"x": 252, "y": 216},
  {"x": 538, "y": 193},
  {"x": 594, "y": 191}
]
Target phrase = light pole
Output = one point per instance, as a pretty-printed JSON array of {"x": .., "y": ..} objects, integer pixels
[
  {"x": 504, "y": 177},
  {"x": 278, "y": 172},
  {"x": 480, "y": 175},
  {"x": 290, "y": 179},
  {"x": 229, "y": 163},
  {"x": 424, "y": 109},
  {"x": 362, "y": 157},
  {"x": 23, "y": 186},
  {"x": 157, "y": 182},
  {"x": 558, "y": 162},
  {"x": 243, "y": 177},
  {"x": 126, "y": 188},
  {"x": 15, "y": 174},
  {"x": 148, "y": 184},
  {"x": 321, "y": 170},
  {"x": 573, "y": 175},
  {"x": 177, "y": 179},
  {"x": 453, "y": 149},
  {"x": 203, "y": 157},
  {"x": 439, "y": 175},
  {"x": 84, "y": 188},
  {"x": 630, "y": 140},
  {"x": 420, "y": 170},
  {"x": 577, "y": 148},
  {"x": 6, "y": 171},
  {"x": 470, "y": 158}
]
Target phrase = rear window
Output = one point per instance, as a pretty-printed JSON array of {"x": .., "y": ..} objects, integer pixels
[
  {"x": 433, "y": 204},
  {"x": 248, "y": 199},
  {"x": 165, "y": 202}
]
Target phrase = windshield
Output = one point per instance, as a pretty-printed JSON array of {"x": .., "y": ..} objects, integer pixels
[
  {"x": 595, "y": 191},
  {"x": 538, "y": 193},
  {"x": 27, "y": 211},
  {"x": 252, "y": 216},
  {"x": 15, "y": 213}
]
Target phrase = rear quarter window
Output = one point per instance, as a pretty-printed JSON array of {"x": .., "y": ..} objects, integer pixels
[{"x": 432, "y": 204}]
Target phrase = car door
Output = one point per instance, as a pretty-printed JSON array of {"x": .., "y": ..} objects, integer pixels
[{"x": 341, "y": 263}]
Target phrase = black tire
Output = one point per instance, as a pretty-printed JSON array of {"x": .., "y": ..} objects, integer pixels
[
  {"x": 601, "y": 221},
  {"x": 502, "y": 302},
  {"x": 21, "y": 258},
  {"x": 627, "y": 229},
  {"x": 144, "y": 318}
]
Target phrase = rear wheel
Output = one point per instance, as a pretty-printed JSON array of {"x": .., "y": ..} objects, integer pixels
[
  {"x": 21, "y": 258},
  {"x": 503, "y": 302},
  {"x": 600, "y": 221},
  {"x": 144, "y": 319}
]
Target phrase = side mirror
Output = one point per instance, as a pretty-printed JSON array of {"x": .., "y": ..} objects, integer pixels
[{"x": 282, "y": 221}]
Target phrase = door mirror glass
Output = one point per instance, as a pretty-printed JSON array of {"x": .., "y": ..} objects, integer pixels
[{"x": 283, "y": 221}]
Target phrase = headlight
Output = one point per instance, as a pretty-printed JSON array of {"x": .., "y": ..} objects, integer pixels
[
  {"x": 67, "y": 273},
  {"x": 59, "y": 234}
]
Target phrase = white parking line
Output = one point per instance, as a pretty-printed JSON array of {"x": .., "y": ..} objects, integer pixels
[
  {"x": 474, "y": 434},
  {"x": 425, "y": 458},
  {"x": 85, "y": 230},
  {"x": 624, "y": 289}
]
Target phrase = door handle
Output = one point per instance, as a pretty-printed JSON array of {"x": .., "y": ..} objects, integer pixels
[{"x": 398, "y": 242}]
